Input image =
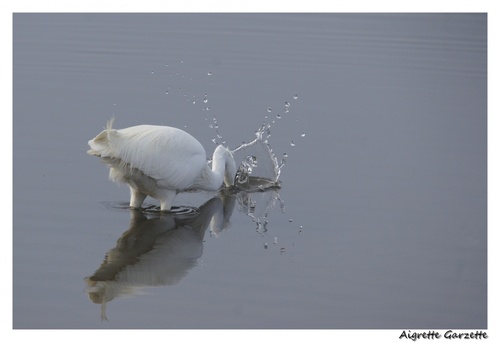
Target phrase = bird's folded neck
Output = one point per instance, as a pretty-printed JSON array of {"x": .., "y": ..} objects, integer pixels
[{"x": 223, "y": 171}]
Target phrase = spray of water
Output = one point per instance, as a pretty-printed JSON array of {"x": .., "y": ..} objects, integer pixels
[
  {"x": 258, "y": 174},
  {"x": 258, "y": 167}
]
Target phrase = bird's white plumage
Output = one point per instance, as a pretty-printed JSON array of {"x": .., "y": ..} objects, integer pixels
[{"x": 159, "y": 161}]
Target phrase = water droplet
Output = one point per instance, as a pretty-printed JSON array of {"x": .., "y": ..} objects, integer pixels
[
  {"x": 152, "y": 72},
  {"x": 194, "y": 102},
  {"x": 283, "y": 160},
  {"x": 278, "y": 116},
  {"x": 295, "y": 97},
  {"x": 292, "y": 143},
  {"x": 290, "y": 220},
  {"x": 166, "y": 92},
  {"x": 209, "y": 73},
  {"x": 287, "y": 104},
  {"x": 269, "y": 109},
  {"x": 303, "y": 135}
]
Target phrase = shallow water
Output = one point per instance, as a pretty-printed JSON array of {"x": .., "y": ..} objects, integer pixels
[{"x": 380, "y": 221}]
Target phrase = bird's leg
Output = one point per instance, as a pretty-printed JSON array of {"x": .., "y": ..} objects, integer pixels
[
  {"x": 136, "y": 198},
  {"x": 166, "y": 199}
]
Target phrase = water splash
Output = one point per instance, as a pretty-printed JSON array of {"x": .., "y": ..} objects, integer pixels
[
  {"x": 245, "y": 169},
  {"x": 257, "y": 178},
  {"x": 258, "y": 167}
]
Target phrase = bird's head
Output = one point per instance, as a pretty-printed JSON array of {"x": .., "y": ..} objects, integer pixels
[{"x": 225, "y": 156}]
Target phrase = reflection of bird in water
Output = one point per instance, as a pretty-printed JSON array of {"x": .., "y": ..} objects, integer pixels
[
  {"x": 156, "y": 251},
  {"x": 159, "y": 161}
]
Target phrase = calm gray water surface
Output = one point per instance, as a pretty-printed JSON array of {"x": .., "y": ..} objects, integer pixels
[{"x": 381, "y": 218}]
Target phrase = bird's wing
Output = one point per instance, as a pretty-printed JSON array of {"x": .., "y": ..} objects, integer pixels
[{"x": 169, "y": 155}]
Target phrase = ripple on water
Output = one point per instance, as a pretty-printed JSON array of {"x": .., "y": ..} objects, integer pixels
[{"x": 150, "y": 208}]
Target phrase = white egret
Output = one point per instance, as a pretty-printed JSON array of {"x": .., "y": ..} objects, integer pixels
[{"x": 160, "y": 161}]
